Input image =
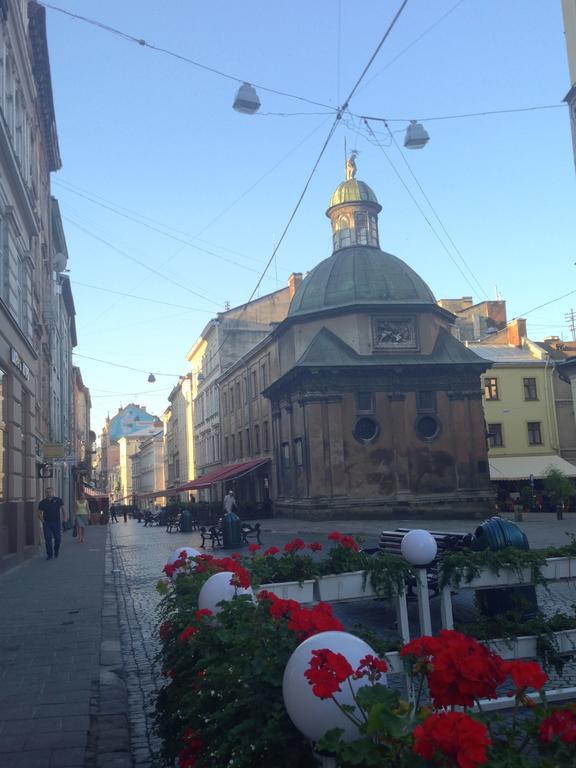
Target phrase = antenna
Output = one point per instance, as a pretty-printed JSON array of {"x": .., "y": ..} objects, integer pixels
[
  {"x": 226, "y": 305},
  {"x": 570, "y": 318}
]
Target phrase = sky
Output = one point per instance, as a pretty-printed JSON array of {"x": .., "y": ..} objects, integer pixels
[{"x": 168, "y": 194}]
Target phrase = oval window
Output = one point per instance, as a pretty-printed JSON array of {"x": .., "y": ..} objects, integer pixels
[
  {"x": 365, "y": 429},
  {"x": 427, "y": 427}
]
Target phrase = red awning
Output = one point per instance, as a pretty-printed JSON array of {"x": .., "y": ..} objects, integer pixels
[{"x": 229, "y": 472}]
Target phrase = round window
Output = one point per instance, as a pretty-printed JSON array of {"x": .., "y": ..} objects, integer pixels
[
  {"x": 365, "y": 429},
  {"x": 428, "y": 427}
]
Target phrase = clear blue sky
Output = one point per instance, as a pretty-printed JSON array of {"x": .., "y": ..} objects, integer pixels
[{"x": 157, "y": 139}]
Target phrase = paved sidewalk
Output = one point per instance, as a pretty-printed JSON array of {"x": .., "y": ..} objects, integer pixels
[{"x": 62, "y": 699}]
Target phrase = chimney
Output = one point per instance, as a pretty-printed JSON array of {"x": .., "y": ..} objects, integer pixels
[
  {"x": 294, "y": 282},
  {"x": 516, "y": 331}
]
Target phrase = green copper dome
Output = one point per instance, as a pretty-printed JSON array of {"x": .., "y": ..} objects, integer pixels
[
  {"x": 352, "y": 191},
  {"x": 359, "y": 275}
]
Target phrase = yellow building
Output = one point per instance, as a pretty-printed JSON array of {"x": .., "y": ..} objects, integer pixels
[{"x": 520, "y": 407}]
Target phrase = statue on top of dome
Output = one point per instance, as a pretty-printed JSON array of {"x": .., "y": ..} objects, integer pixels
[{"x": 351, "y": 165}]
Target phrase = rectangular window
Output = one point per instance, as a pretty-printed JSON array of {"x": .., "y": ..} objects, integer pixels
[
  {"x": 245, "y": 380},
  {"x": 248, "y": 442},
  {"x": 263, "y": 376},
  {"x": 265, "y": 437},
  {"x": 254, "y": 383},
  {"x": 231, "y": 399},
  {"x": 233, "y": 452},
  {"x": 495, "y": 439},
  {"x": 256, "y": 439},
  {"x": 226, "y": 449},
  {"x": 238, "y": 395},
  {"x": 491, "y": 389},
  {"x": 286, "y": 455},
  {"x": 240, "y": 447},
  {"x": 364, "y": 402},
  {"x": 426, "y": 400},
  {"x": 298, "y": 451},
  {"x": 534, "y": 433},
  {"x": 530, "y": 391},
  {"x": 224, "y": 403}
]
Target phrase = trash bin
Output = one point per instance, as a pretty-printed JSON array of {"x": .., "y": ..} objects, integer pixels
[
  {"x": 497, "y": 533},
  {"x": 186, "y": 521},
  {"x": 231, "y": 531}
]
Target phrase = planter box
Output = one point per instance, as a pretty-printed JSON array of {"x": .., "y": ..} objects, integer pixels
[
  {"x": 344, "y": 586},
  {"x": 555, "y": 569},
  {"x": 524, "y": 647},
  {"x": 302, "y": 592}
]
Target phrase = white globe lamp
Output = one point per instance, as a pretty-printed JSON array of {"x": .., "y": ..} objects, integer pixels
[
  {"x": 190, "y": 552},
  {"x": 313, "y": 716},
  {"x": 419, "y": 547},
  {"x": 218, "y": 589}
]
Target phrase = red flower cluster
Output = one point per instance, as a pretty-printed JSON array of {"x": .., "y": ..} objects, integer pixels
[
  {"x": 207, "y": 563},
  {"x": 293, "y": 546},
  {"x": 526, "y": 674},
  {"x": 164, "y": 629},
  {"x": 459, "y": 669},
  {"x": 348, "y": 542},
  {"x": 189, "y": 632},
  {"x": 327, "y": 670},
  {"x": 271, "y": 551},
  {"x": 315, "y": 546},
  {"x": 201, "y": 612},
  {"x": 370, "y": 667},
  {"x": 560, "y": 724},
  {"x": 187, "y": 756},
  {"x": 454, "y": 735},
  {"x": 253, "y": 547},
  {"x": 305, "y": 622}
]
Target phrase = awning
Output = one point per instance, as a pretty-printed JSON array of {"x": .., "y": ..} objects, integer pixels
[
  {"x": 229, "y": 472},
  {"x": 521, "y": 467}
]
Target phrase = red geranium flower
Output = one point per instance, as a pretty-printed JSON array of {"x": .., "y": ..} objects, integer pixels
[
  {"x": 370, "y": 667},
  {"x": 169, "y": 570},
  {"x": 315, "y": 546},
  {"x": 186, "y": 634},
  {"x": 264, "y": 594},
  {"x": 335, "y": 536},
  {"x": 349, "y": 542},
  {"x": 194, "y": 745},
  {"x": 294, "y": 546},
  {"x": 165, "y": 629},
  {"x": 306, "y": 622},
  {"x": 561, "y": 723},
  {"x": 253, "y": 547},
  {"x": 240, "y": 578},
  {"x": 526, "y": 674},
  {"x": 453, "y": 735},
  {"x": 202, "y": 612},
  {"x": 271, "y": 551},
  {"x": 326, "y": 671}
]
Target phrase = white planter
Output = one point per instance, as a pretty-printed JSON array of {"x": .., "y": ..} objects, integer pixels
[
  {"x": 524, "y": 646},
  {"x": 302, "y": 592},
  {"x": 344, "y": 586}
]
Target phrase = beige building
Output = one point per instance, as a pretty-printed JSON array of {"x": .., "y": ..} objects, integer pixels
[
  {"x": 178, "y": 434},
  {"x": 475, "y": 321},
  {"x": 148, "y": 466},
  {"x": 28, "y": 154},
  {"x": 223, "y": 343}
]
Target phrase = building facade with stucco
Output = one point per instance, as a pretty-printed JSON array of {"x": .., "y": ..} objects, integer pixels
[{"x": 374, "y": 407}]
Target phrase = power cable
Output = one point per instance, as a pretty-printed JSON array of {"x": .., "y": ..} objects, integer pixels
[
  {"x": 417, "y": 204},
  {"x": 138, "y": 261},
  {"x": 145, "y": 44},
  {"x": 483, "y": 291},
  {"x": 372, "y": 118},
  {"x": 139, "y": 298},
  {"x": 546, "y": 304},
  {"x": 127, "y": 367}
]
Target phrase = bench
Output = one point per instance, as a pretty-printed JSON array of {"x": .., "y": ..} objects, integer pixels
[
  {"x": 151, "y": 518},
  {"x": 214, "y": 534},
  {"x": 447, "y": 541},
  {"x": 173, "y": 523}
]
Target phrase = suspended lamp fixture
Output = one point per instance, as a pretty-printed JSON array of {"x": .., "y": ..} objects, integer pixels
[
  {"x": 246, "y": 100},
  {"x": 151, "y": 379},
  {"x": 416, "y": 136}
]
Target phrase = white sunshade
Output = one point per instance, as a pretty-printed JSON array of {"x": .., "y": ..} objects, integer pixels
[{"x": 521, "y": 467}]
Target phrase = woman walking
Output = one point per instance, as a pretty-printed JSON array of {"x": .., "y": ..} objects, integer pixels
[{"x": 82, "y": 512}]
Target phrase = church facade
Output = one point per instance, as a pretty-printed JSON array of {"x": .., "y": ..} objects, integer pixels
[{"x": 375, "y": 407}]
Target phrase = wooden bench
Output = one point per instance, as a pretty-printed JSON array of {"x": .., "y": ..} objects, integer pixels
[
  {"x": 173, "y": 523},
  {"x": 214, "y": 534},
  {"x": 447, "y": 541}
]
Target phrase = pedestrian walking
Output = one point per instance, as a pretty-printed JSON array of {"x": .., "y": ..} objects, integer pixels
[
  {"x": 82, "y": 513},
  {"x": 113, "y": 514},
  {"x": 50, "y": 512},
  {"x": 125, "y": 513},
  {"x": 229, "y": 502}
]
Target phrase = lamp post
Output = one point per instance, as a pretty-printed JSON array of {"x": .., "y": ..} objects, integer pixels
[{"x": 419, "y": 548}]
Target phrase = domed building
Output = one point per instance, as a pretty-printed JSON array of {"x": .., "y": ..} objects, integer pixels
[{"x": 375, "y": 406}]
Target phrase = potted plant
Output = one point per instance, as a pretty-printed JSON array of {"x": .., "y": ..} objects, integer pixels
[
  {"x": 344, "y": 570},
  {"x": 289, "y": 573}
]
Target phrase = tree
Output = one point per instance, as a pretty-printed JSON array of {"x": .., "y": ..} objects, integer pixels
[{"x": 558, "y": 487}]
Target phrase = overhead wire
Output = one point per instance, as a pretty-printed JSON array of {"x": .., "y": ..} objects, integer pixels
[
  {"x": 127, "y": 367},
  {"x": 512, "y": 110},
  {"x": 545, "y": 304},
  {"x": 419, "y": 207},
  {"x": 139, "y": 298},
  {"x": 145, "y": 44}
]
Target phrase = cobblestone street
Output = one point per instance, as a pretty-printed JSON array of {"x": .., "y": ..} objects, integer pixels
[{"x": 139, "y": 554}]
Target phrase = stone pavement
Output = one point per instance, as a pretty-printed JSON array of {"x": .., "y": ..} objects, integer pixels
[{"x": 63, "y": 702}]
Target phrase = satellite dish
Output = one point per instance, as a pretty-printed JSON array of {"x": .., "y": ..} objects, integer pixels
[{"x": 60, "y": 261}]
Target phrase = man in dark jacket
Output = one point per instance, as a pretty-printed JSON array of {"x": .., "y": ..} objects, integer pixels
[{"x": 50, "y": 510}]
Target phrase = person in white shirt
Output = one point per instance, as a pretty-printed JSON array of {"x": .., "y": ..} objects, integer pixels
[{"x": 229, "y": 502}]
